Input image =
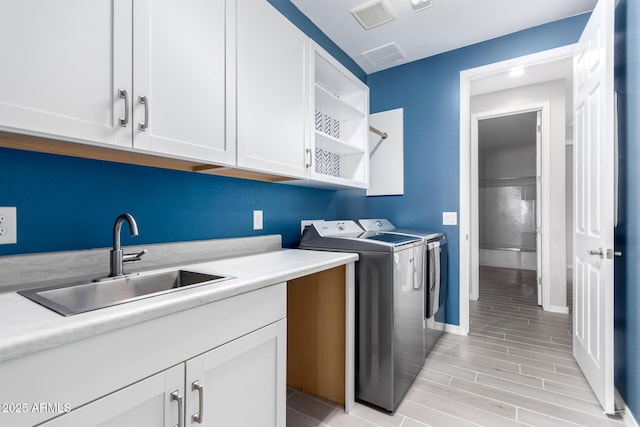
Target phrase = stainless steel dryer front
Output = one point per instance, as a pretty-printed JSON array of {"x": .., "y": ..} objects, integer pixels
[
  {"x": 435, "y": 261},
  {"x": 389, "y": 307}
]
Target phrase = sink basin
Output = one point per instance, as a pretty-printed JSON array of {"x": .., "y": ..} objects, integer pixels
[{"x": 77, "y": 298}]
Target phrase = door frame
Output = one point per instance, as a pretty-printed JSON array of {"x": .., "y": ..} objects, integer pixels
[
  {"x": 543, "y": 156},
  {"x": 465, "y": 230}
]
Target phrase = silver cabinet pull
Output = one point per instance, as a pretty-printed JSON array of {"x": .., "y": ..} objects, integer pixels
[
  {"x": 125, "y": 95},
  {"x": 308, "y": 160},
  {"x": 144, "y": 101},
  {"x": 197, "y": 417},
  {"x": 618, "y": 253},
  {"x": 177, "y": 397},
  {"x": 599, "y": 252}
]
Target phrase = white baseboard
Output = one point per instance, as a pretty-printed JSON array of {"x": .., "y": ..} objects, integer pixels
[
  {"x": 628, "y": 418},
  {"x": 557, "y": 309},
  {"x": 455, "y": 329}
]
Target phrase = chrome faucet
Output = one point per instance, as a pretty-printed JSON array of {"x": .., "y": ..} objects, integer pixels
[{"x": 117, "y": 257}]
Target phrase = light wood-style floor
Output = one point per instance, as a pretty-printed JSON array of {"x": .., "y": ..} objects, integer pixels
[{"x": 515, "y": 368}]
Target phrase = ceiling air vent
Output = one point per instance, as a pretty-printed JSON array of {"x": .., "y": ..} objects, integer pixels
[
  {"x": 373, "y": 13},
  {"x": 385, "y": 55}
]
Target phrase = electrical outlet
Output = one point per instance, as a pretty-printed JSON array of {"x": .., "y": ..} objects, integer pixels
[
  {"x": 257, "y": 220},
  {"x": 8, "y": 226},
  {"x": 305, "y": 223}
]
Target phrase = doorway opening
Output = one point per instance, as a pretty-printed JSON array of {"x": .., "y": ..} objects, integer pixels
[
  {"x": 509, "y": 203},
  {"x": 592, "y": 107},
  {"x": 487, "y": 92}
]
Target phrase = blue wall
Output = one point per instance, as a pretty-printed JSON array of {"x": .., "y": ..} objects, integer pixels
[
  {"x": 627, "y": 237},
  {"x": 67, "y": 203},
  {"x": 429, "y": 92}
]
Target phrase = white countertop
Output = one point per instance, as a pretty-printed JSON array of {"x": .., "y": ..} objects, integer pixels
[{"x": 27, "y": 327}]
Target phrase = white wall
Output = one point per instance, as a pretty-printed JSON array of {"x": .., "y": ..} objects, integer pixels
[
  {"x": 507, "y": 162},
  {"x": 508, "y": 259},
  {"x": 554, "y": 93}
]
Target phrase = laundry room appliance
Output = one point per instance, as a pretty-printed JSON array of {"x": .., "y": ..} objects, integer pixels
[
  {"x": 435, "y": 261},
  {"x": 389, "y": 307}
]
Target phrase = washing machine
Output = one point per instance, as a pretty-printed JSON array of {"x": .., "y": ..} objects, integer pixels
[{"x": 389, "y": 306}]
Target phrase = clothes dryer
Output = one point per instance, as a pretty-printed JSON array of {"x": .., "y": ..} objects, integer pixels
[{"x": 436, "y": 281}]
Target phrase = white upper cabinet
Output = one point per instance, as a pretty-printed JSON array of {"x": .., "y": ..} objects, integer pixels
[
  {"x": 339, "y": 107},
  {"x": 148, "y": 74},
  {"x": 217, "y": 82},
  {"x": 179, "y": 93},
  {"x": 271, "y": 91},
  {"x": 63, "y": 64},
  {"x": 300, "y": 113}
]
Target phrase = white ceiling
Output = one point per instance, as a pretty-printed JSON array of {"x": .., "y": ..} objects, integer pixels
[
  {"x": 561, "y": 69},
  {"x": 447, "y": 25},
  {"x": 533, "y": 74}
]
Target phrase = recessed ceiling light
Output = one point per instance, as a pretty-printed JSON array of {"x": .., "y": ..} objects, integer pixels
[
  {"x": 516, "y": 72},
  {"x": 419, "y": 5}
]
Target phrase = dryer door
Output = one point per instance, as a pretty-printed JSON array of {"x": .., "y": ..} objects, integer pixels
[{"x": 408, "y": 308}]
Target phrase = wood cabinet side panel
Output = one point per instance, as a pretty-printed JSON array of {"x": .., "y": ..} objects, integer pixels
[{"x": 316, "y": 317}]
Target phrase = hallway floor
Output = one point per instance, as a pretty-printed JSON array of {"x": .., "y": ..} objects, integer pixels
[{"x": 515, "y": 368}]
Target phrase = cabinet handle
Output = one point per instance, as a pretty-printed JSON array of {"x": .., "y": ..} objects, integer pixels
[
  {"x": 177, "y": 397},
  {"x": 144, "y": 101},
  {"x": 308, "y": 157},
  {"x": 125, "y": 95},
  {"x": 197, "y": 417}
]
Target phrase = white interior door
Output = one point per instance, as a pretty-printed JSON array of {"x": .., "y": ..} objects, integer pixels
[
  {"x": 538, "y": 219},
  {"x": 594, "y": 203}
]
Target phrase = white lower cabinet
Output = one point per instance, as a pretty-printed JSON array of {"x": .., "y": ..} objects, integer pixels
[
  {"x": 143, "y": 404},
  {"x": 241, "y": 384}
]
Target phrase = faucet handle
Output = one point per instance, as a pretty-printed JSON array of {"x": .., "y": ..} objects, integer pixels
[{"x": 134, "y": 257}]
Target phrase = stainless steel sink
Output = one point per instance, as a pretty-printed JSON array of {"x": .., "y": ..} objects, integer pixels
[{"x": 77, "y": 298}]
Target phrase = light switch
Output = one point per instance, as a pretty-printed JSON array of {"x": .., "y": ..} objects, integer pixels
[
  {"x": 449, "y": 218},
  {"x": 257, "y": 220}
]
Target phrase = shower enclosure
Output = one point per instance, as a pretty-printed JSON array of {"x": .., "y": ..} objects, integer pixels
[{"x": 507, "y": 196}]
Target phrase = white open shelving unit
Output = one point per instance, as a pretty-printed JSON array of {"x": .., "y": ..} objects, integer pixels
[{"x": 339, "y": 111}]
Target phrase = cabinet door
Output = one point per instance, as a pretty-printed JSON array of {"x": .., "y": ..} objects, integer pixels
[
  {"x": 243, "y": 383},
  {"x": 148, "y": 403},
  {"x": 179, "y": 69},
  {"x": 63, "y": 64},
  {"x": 272, "y": 87}
]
